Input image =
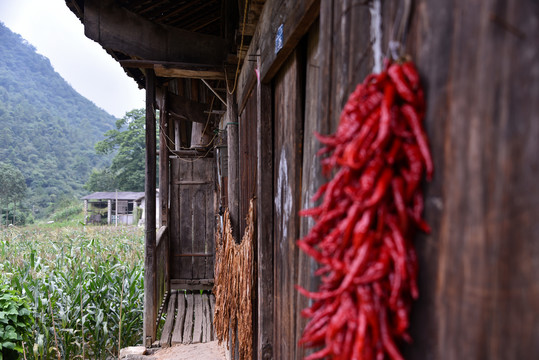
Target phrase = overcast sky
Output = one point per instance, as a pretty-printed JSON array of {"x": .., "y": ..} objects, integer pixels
[{"x": 58, "y": 34}]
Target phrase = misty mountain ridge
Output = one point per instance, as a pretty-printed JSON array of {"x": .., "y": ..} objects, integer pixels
[{"x": 47, "y": 129}]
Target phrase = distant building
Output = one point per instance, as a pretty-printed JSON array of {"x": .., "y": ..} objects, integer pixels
[{"x": 107, "y": 207}]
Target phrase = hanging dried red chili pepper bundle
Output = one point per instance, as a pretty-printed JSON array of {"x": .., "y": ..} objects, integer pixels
[{"x": 366, "y": 221}]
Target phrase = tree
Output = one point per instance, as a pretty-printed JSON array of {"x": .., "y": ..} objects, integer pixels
[
  {"x": 128, "y": 165},
  {"x": 12, "y": 185},
  {"x": 101, "y": 180}
]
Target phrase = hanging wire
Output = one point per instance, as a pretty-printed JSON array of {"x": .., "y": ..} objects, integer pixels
[
  {"x": 208, "y": 119},
  {"x": 241, "y": 47},
  {"x": 183, "y": 148},
  {"x": 400, "y": 30}
]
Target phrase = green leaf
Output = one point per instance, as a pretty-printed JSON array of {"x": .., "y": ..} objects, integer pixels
[{"x": 8, "y": 345}]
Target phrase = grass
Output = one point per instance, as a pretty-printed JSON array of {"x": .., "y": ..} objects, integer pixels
[{"x": 84, "y": 285}]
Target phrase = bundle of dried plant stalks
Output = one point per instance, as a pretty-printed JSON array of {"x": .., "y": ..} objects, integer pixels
[{"x": 233, "y": 287}]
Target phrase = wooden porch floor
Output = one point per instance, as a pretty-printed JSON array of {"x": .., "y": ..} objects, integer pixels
[{"x": 189, "y": 318}]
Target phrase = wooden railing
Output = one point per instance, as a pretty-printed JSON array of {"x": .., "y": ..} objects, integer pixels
[
  {"x": 162, "y": 284},
  {"x": 156, "y": 283}
]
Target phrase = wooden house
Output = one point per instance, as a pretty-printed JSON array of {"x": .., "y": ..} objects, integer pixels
[
  {"x": 117, "y": 207},
  {"x": 289, "y": 69}
]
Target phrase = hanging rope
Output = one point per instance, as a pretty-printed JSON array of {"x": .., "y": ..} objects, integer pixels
[
  {"x": 400, "y": 30},
  {"x": 241, "y": 47}
]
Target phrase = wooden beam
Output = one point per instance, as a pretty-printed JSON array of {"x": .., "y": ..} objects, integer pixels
[
  {"x": 137, "y": 64},
  {"x": 296, "y": 17},
  {"x": 178, "y": 72},
  {"x": 192, "y": 153},
  {"x": 150, "y": 289},
  {"x": 118, "y": 29},
  {"x": 186, "y": 109},
  {"x": 213, "y": 91},
  {"x": 176, "y": 69}
]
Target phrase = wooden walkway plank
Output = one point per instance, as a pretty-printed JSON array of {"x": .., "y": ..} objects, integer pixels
[
  {"x": 180, "y": 319},
  {"x": 193, "y": 322},
  {"x": 169, "y": 322},
  {"x": 206, "y": 318},
  {"x": 212, "y": 311},
  {"x": 188, "y": 325},
  {"x": 197, "y": 330}
]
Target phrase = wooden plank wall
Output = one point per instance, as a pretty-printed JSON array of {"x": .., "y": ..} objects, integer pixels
[
  {"x": 479, "y": 297},
  {"x": 484, "y": 201},
  {"x": 311, "y": 171},
  {"x": 247, "y": 157},
  {"x": 288, "y": 138},
  {"x": 297, "y": 175},
  {"x": 264, "y": 216}
]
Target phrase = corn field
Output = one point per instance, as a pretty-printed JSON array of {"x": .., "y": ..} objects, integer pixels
[{"x": 84, "y": 286}]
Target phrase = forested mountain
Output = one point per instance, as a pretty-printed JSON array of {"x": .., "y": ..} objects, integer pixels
[{"x": 47, "y": 129}]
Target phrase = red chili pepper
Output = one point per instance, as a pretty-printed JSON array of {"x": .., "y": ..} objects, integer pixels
[
  {"x": 398, "y": 126},
  {"x": 385, "y": 115},
  {"x": 383, "y": 182},
  {"x": 403, "y": 88},
  {"x": 363, "y": 227},
  {"x": 326, "y": 140},
  {"x": 396, "y": 283},
  {"x": 350, "y": 334},
  {"x": 370, "y": 104},
  {"x": 415, "y": 124},
  {"x": 397, "y": 185},
  {"x": 351, "y": 154},
  {"x": 393, "y": 152},
  {"x": 350, "y": 224},
  {"x": 371, "y": 173},
  {"x": 410, "y": 72},
  {"x": 387, "y": 340},
  {"x": 402, "y": 319},
  {"x": 319, "y": 354},
  {"x": 414, "y": 173},
  {"x": 359, "y": 345}
]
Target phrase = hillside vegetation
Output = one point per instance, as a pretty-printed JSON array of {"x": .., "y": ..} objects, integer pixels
[{"x": 48, "y": 130}]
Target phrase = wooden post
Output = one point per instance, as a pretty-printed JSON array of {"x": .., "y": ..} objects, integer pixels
[
  {"x": 264, "y": 193},
  {"x": 150, "y": 300},
  {"x": 85, "y": 212},
  {"x": 109, "y": 211},
  {"x": 164, "y": 176},
  {"x": 198, "y": 136},
  {"x": 233, "y": 168},
  {"x": 163, "y": 157}
]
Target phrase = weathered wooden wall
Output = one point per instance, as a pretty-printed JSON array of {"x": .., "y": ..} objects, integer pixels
[
  {"x": 479, "y": 62},
  {"x": 288, "y": 116},
  {"x": 311, "y": 177},
  {"x": 247, "y": 158}
]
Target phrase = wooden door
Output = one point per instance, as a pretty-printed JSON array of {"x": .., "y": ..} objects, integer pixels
[{"x": 192, "y": 222}]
